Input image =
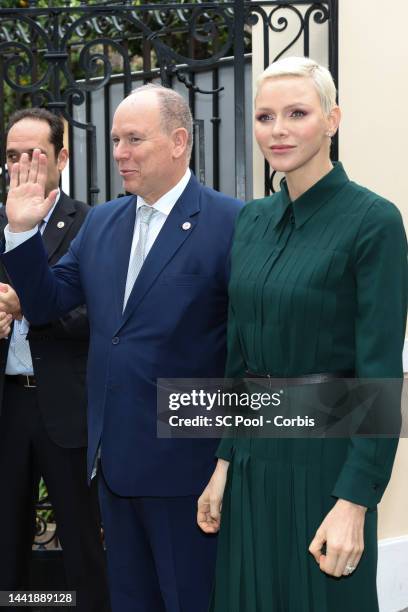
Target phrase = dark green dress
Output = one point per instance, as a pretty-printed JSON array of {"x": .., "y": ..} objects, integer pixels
[{"x": 317, "y": 285}]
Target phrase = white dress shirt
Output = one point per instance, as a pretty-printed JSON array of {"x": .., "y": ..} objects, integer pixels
[
  {"x": 163, "y": 206},
  {"x": 14, "y": 365}
]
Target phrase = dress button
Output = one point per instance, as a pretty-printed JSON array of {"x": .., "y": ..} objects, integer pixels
[
  {"x": 376, "y": 486},
  {"x": 115, "y": 340}
]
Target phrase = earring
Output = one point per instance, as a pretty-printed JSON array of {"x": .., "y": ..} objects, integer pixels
[{"x": 329, "y": 134}]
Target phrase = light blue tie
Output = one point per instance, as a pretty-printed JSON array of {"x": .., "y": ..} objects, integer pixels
[{"x": 145, "y": 213}]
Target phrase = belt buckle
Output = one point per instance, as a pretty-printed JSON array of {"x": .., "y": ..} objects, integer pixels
[{"x": 28, "y": 386}]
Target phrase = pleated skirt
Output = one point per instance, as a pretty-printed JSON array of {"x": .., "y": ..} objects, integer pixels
[{"x": 277, "y": 494}]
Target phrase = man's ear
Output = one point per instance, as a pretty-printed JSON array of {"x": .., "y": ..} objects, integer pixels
[
  {"x": 62, "y": 159},
  {"x": 180, "y": 140}
]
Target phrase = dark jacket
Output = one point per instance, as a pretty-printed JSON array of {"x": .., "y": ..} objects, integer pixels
[{"x": 58, "y": 349}]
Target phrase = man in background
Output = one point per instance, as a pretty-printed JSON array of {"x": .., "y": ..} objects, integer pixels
[{"x": 43, "y": 398}]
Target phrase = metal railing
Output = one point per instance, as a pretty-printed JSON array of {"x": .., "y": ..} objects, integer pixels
[{"x": 62, "y": 56}]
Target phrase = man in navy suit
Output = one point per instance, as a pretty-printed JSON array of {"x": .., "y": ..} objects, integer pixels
[{"x": 153, "y": 269}]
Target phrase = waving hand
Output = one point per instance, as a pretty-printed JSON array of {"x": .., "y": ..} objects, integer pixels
[{"x": 26, "y": 202}]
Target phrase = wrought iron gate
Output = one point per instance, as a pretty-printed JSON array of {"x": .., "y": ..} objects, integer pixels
[{"x": 80, "y": 61}]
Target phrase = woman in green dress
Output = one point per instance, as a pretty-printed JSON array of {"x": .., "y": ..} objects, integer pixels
[{"x": 318, "y": 285}]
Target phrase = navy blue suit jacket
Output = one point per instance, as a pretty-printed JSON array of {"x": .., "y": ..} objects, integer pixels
[{"x": 174, "y": 326}]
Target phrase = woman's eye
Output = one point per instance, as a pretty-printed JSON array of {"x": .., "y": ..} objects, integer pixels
[
  {"x": 264, "y": 117},
  {"x": 298, "y": 113},
  {"x": 134, "y": 140}
]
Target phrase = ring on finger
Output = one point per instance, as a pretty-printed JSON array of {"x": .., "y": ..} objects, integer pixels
[{"x": 349, "y": 569}]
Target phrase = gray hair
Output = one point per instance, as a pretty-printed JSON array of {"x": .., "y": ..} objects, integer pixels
[
  {"x": 304, "y": 67},
  {"x": 174, "y": 111}
]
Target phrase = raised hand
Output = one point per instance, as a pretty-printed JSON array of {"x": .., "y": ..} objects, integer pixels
[{"x": 26, "y": 202}]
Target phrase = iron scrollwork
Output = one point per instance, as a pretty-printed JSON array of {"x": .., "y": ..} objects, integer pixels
[
  {"x": 59, "y": 56},
  {"x": 276, "y": 19}
]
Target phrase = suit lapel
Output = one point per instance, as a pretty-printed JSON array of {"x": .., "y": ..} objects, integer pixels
[
  {"x": 3, "y": 222},
  {"x": 171, "y": 237},
  {"x": 124, "y": 229},
  {"x": 58, "y": 224}
]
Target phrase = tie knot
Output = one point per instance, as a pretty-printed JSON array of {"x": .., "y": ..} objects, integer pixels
[{"x": 146, "y": 212}]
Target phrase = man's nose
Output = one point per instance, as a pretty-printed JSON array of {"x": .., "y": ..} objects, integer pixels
[{"x": 120, "y": 151}]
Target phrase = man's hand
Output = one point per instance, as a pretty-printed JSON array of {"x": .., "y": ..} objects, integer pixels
[
  {"x": 342, "y": 533},
  {"x": 5, "y": 321},
  {"x": 210, "y": 502},
  {"x": 9, "y": 302},
  {"x": 26, "y": 202}
]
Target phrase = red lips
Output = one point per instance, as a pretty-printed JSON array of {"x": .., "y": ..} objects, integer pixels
[{"x": 282, "y": 147}]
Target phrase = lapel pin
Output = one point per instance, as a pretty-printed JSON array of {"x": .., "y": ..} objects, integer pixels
[
  {"x": 60, "y": 224},
  {"x": 186, "y": 225}
]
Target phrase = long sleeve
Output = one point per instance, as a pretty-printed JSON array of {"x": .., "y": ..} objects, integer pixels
[
  {"x": 381, "y": 283},
  {"x": 45, "y": 293},
  {"x": 235, "y": 368}
]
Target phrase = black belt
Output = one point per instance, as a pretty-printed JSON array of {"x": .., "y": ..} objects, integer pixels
[
  {"x": 307, "y": 379},
  {"x": 23, "y": 380}
]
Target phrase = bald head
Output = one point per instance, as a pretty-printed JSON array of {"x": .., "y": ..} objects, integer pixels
[
  {"x": 150, "y": 143},
  {"x": 173, "y": 108}
]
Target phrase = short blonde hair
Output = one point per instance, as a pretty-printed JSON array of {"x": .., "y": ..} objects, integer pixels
[{"x": 304, "y": 67}]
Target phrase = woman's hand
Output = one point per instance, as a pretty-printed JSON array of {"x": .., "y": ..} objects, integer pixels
[
  {"x": 210, "y": 502},
  {"x": 342, "y": 533}
]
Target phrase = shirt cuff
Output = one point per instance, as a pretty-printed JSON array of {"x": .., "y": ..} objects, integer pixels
[{"x": 14, "y": 240}]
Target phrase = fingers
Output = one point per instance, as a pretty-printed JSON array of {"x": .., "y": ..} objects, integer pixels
[
  {"x": 340, "y": 562},
  {"x": 4, "y": 287},
  {"x": 14, "y": 175},
  {"x": 49, "y": 202},
  {"x": 5, "y": 321},
  {"x": 205, "y": 518},
  {"x": 351, "y": 563},
  {"x": 206, "y": 523},
  {"x": 37, "y": 160},
  {"x": 29, "y": 171},
  {"x": 329, "y": 562},
  {"x": 24, "y": 167},
  {"x": 316, "y": 546},
  {"x": 40, "y": 167}
]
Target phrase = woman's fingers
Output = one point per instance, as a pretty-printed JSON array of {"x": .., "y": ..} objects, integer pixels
[
  {"x": 208, "y": 514},
  {"x": 316, "y": 546},
  {"x": 205, "y": 520},
  {"x": 351, "y": 564},
  {"x": 340, "y": 562}
]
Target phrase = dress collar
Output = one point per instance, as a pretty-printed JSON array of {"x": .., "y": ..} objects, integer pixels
[{"x": 314, "y": 198}]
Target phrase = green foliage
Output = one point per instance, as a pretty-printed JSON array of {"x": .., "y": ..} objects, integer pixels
[{"x": 46, "y": 515}]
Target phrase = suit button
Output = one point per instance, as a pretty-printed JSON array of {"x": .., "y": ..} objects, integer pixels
[
  {"x": 115, "y": 340},
  {"x": 376, "y": 487}
]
